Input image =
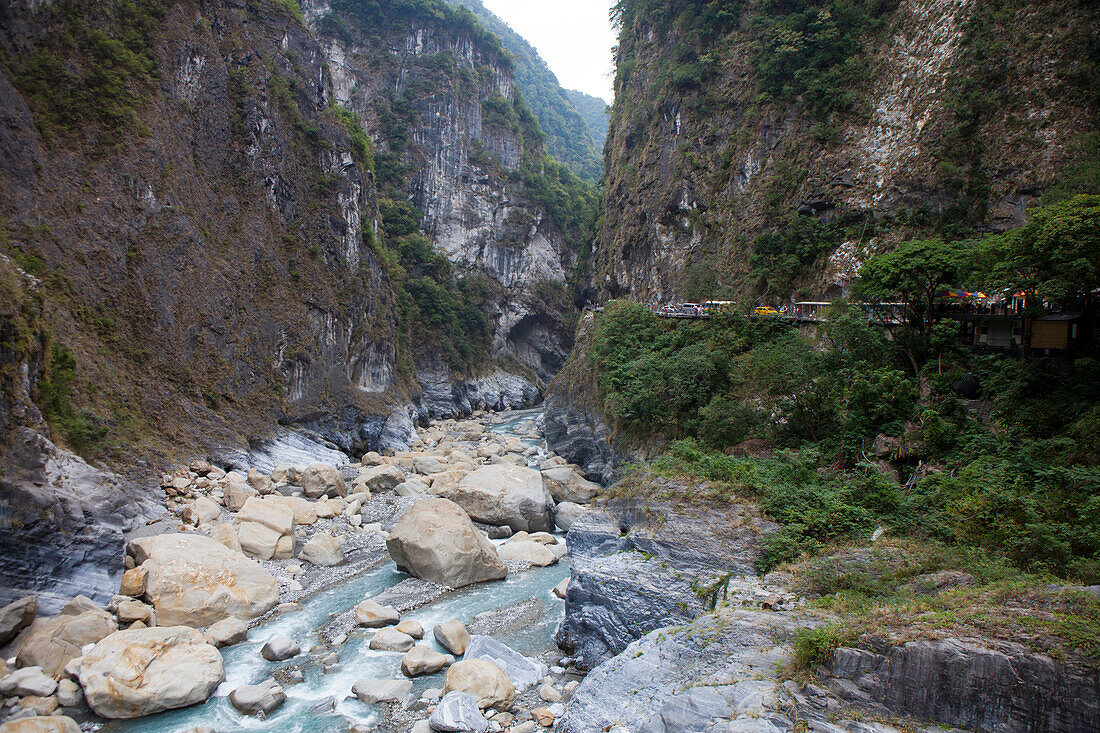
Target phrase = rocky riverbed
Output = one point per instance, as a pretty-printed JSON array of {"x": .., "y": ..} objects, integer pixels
[
  {"x": 478, "y": 582},
  {"x": 325, "y": 597}
]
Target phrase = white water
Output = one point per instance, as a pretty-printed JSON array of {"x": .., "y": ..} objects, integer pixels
[{"x": 245, "y": 666}]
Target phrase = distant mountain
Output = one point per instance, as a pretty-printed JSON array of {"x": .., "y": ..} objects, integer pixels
[
  {"x": 595, "y": 113},
  {"x": 575, "y": 135}
]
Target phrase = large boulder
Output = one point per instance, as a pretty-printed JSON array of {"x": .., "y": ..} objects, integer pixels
[
  {"x": 527, "y": 551},
  {"x": 280, "y": 648},
  {"x": 505, "y": 495},
  {"x": 16, "y": 616},
  {"x": 227, "y": 632},
  {"x": 28, "y": 681},
  {"x": 421, "y": 660},
  {"x": 139, "y": 672},
  {"x": 376, "y": 691},
  {"x": 522, "y": 671},
  {"x": 436, "y": 541},
  {"x": 374, "y": 615},
  {"x": 51, "y": 643},
  {"x": 380, "y": 478},
  {"x": 195, "y": 581},
  {"x": 565, "y": 484},
  {"x": 458, "y": 711},
  {"x": 321, "y": 479},
  {"x": 391, "y": 640},
  {"x": 324, "y": 550},
  {"x": 267, "y": 529},
  {"x": 45, "y": 724},
  {"x": 305, "y": 512},
  {"x": 260, "y": 700},
  {"x": 483, "y": 680},
  {"x": 453, "y": 636},
  {"x": 566, "y": 513},
  {"x": 200, "y": 511}
]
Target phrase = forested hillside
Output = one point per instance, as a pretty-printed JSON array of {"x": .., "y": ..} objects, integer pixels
[{"x": 575, "y": 124}]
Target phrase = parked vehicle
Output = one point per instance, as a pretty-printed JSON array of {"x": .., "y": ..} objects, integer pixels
[{"x": 765, "y": 310}]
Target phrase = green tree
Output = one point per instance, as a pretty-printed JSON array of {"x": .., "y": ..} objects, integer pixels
[{"x": 917, "y": 272}]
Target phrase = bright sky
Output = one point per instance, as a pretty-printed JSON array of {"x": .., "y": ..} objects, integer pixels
[{"x": 574, "y": 37}]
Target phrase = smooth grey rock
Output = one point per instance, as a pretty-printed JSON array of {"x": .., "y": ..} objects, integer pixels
[
  {"x": 261, "y": 699},
  {"x": 227, "y": 632},
  {"x": 280, "y": 648},
  {"x": 1001, "y": 686},
  {"x": 324, "y": 705},
  {"x": 452, "y": 636},
  {"x": 566, "y": 513},
  {"x": 637, "y": 567},
  {"x": 522, "y": 671},
  {"x": 391, "y": 640},
  {"x": 28, "y": 681},
  {"x": 376, "y": 691},
  {"x": 458, "y": 711}
]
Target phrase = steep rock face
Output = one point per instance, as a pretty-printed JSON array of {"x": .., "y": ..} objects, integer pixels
[
  {"x": 61, "y": 519},
  {"x": 573, "y": 423},
  {"x": 202, "y": 254},
  {"x": 970, "y": 684},
  {"x": 945, "y": 115},
  {"x": 638, "y": 566},
  {"x": 439, "y": 98}
]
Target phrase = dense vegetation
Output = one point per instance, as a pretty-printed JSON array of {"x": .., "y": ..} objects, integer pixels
[
  {"x": 1021, "y": 479},
  {"x": 570, "y": 137}
]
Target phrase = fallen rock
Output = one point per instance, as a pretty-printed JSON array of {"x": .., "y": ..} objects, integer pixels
[
  {"x": 28, "y": 681},
  {"x": 227, "y": 632},
  {"x": 261, "y": 699},
  {"x": 201, "y": 511},
  {"x": 16, "y": 616},
  {"x": 412, "y": 628},
  {"x": 561, "y": 589},
  {"x": 483, "y": 680},
  {"x": 374, "y": 616},
  {"x": 134, "y": 582},
  {"x": 37, "y": 705},
  {"x": 565, "y": 484},
  {"x": 267, "y": 530},
  {"x": 543, "y": 717},
  {"x": 135, "y": 673},
  {"x": 236, "y": 494},
  {"x": 391, "y": 640},
  {"x": 130, "y": 611},
  {"x": 196, "y": 581},
  {"x": 549, "y": 693},
  {"x": 522, "y": 671},
  {"x": 436, "y": 541},
  {"x": 505, "y": 495},
  {"x": 452, "y": 636},
  {"x": 279, "y": 648},
  {"x": 51, "y": 643},
  {"x": 321, "y": 479},
  {"x": 323, "y": 550},
  {"x": 69, "y": 694},
  {"x": 421, "y": 660},
  {"x": 380, "y": 478},
  {"x": 49, "y": 724},
  {"x": 457, "y": 711},
  {"x": 566, "y": 513},
  {"x": 226, "y": 535},
  {"x": 305, "y": 512},
  {"x": 533, "y": 553},
  {"x": 261, "y": 483},
  {"x": 411, "y": 487},
  {"x": 376, "y": 691}
]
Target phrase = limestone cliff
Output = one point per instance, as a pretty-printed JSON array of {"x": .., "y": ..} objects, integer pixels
[{"x": 760, "y": 147}]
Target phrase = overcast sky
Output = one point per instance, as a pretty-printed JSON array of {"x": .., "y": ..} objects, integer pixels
[{"x": 574, "y": 37}]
